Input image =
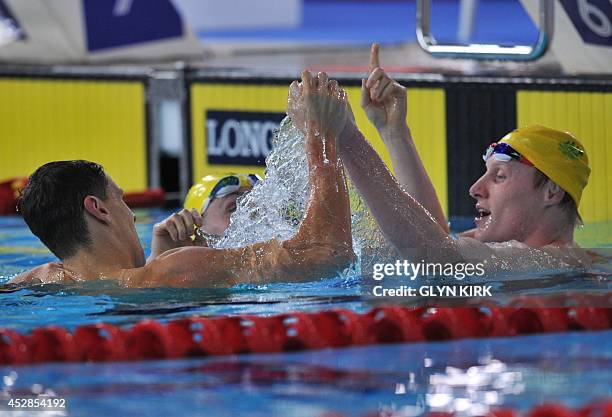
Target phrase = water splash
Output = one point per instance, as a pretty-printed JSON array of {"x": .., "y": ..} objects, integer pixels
[{"x": 275, "y": 206}]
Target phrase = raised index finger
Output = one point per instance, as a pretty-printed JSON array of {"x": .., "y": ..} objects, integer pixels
[
  {"x": 307, "y": 81},
  {"x": 374, "y": 60}
]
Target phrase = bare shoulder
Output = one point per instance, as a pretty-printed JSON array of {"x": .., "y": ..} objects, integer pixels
[
  {"x": 181, "y": 267},
  {"x": 52, "y": 272},
  {"x": 550, "y": 256},
  {"x": 517, "y": 256},
  {"x": 574, "y": 256}
]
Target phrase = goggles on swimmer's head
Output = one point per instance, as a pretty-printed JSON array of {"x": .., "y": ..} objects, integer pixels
[
  {"x": 504, "y": 152},
  {"x": 231, "y": 184}
]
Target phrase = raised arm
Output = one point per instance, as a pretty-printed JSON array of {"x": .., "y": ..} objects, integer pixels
[
  {"x": 324, "y": 104},
  {"x": 322, "y": 244},
  {"x": 384, "y": 102},
  {"x": 402, "y": 219}
]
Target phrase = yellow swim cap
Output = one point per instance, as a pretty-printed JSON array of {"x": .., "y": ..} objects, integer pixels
[
  {"x": 559, "y": 155},
  {"x": 211, "y": 186}
]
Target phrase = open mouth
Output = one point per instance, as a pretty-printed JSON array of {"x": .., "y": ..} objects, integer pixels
[{"x": 482, "y": 213}]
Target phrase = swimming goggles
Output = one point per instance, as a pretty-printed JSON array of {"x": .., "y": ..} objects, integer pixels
[
  {"x": 504, "y": 152},
  {"x": 231, "y": 184}
]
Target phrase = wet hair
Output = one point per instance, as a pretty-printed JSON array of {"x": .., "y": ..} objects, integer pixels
[
  {"x": 567, "y": 203},
  {"x": 52, "y": 203}
]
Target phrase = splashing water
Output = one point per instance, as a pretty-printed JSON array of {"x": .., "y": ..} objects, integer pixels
[{"x": 275, "y": 206}]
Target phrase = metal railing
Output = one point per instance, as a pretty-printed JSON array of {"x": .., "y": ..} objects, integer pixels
[{"x": 485, "y": 51}]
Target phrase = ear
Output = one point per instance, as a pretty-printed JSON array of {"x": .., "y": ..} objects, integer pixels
[
  {"x": 96, "y": 207},
  {"x": 553, "y": 194}
]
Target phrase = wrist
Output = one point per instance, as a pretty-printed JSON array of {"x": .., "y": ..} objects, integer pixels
[
  {"x": 395, "y": 133},
  {"x": 395, "y": 129},
  {"x": 349, "y": 131}
]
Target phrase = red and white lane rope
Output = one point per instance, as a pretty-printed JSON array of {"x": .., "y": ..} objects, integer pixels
[{"x": 226, "y": 335}]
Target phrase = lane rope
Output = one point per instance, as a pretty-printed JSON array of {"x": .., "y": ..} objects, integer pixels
[
  {"x": 597, "y": 408},
  {"x": 336, "y": 328}
]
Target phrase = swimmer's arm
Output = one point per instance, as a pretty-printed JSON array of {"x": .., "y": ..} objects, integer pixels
[
  {"x": 271, "y": 261},
  {"x": 411, "y": 173},
  {"x": 322, "y": 245},
  {"x": 403, "y": 221},
  {"x": 327, "y": 220}
]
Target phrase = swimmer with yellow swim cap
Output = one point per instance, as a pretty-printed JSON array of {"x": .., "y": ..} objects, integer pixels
[
  {"x": 536, "y": 200},
  {"x": 214, "y": 197},
  {"x": 526, "y": 202},
  {"x": 208, "y": 207}
]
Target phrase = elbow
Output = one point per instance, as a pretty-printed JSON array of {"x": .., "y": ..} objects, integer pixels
[
  {"x": 335, "y": 258},
  {"x": 318, "y": 261},
  {"x": 343, "y": 256}
]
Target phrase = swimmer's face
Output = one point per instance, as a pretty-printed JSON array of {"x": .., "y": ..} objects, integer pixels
[
  {"x": 124, "y": 222},
  {"x": 216, "y": 218},
  {"x": 508, "y": 205}
]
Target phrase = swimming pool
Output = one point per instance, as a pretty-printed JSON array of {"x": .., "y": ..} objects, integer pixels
[{"x": 461, "y": 376}]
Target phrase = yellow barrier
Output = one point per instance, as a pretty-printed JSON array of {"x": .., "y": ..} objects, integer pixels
[{"x": 45, "y": 120}]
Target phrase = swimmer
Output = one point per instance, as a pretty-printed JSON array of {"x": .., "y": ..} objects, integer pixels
[
  {"x": 526, "y": 202},
  {"x": 208, "y": 206},
  {"x": 78, "y": 212}
]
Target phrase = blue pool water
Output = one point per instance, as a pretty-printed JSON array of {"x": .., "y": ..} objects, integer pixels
[{"x": 464, "y": 376}]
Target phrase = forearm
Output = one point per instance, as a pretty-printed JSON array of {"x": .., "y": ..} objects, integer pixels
[
  {"x": 323, "y": 243},
  {"x": 403, "y": 221},
  {"x": 410, "y": 172},
  {"x": 327, "y": 218}
]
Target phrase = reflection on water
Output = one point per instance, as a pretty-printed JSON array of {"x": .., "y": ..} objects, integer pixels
[
  {"x": 474, "y": 391},
  {"x": 466, "y": 378}
]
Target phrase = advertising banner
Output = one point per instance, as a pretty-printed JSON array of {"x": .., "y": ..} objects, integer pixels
[
  {"x": 94, "y": 31},
  {"x": 582, "y": 40}
]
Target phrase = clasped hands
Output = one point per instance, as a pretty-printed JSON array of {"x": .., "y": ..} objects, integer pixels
[{"x": 319, "y": 104}]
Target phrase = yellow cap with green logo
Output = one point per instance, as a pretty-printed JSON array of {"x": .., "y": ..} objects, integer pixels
[
  {"x": 559, "y": 155},
  {"x": 212, "y": 186}
]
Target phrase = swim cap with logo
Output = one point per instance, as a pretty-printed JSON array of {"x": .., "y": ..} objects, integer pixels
[
  {"x": 211, "y": 186},
  {"x": 559, "y": 155}
]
